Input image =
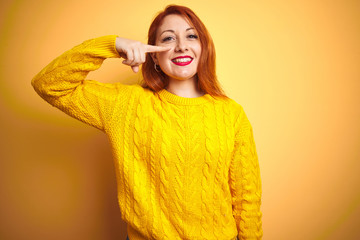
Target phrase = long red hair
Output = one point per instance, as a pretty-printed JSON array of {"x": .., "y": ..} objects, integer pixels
[{"x": 206, "y": 72}]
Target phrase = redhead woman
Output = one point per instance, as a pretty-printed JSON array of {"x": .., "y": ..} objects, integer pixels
[{"x": 184, "y": 152}]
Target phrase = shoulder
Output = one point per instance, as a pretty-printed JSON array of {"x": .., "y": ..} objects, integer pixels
[
  {"x": 132, "y": 88},
  {"x": 141, "y": 91},
  {"x": 141, "y": 94},
  {"x": 231, "y": 108},
  {"x": 230, "y": 104},
  {"x": 119, "y": 91}
]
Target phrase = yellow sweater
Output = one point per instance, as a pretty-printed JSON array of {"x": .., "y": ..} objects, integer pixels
[{"x": 186, "y": 168}]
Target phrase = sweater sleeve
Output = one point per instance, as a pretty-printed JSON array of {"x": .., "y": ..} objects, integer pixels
[
  {"x": 62, "y": 83},
  {"x": 245, "y": 182}
]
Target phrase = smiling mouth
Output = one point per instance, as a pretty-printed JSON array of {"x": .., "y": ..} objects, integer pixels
[{"x": 182, "y": 61}]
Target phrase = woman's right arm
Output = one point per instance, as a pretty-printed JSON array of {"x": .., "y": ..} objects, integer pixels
[{"x": 62, "y": 83}]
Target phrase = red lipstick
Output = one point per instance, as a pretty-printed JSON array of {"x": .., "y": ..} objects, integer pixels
[{"x": 182, "y": 60}]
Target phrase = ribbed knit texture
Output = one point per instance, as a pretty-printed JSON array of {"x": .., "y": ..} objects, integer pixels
[{"x": 186, "y": 168}]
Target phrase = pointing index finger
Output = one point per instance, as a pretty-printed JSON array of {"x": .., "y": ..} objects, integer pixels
[{"x": 152, "y": 48}]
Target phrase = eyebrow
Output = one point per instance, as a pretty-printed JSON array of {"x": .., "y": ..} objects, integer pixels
[{"x": 169, "y": 30}]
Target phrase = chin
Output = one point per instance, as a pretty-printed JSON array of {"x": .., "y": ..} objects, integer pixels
[{"x": 181, "y": 77}]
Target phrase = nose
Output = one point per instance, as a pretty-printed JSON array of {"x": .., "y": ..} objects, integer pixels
[{"x": 181, "y": 45}]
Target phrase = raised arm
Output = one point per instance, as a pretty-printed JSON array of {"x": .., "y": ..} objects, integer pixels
[
  {"x": 62, "y": 83},
  {"x": 245, "y": 182}
]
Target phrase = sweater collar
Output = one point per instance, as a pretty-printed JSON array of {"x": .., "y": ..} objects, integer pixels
[{"x": 173, "y": 98}]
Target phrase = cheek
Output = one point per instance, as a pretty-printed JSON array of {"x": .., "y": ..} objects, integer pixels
[
  {"x": 198, "y": 50},
  {"x": 163, "y": 56}
]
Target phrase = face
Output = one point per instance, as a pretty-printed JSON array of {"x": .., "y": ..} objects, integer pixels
[{"x": 181, "y": 62}]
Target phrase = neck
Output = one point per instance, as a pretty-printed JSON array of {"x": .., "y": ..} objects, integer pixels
[{"x": 184, "y": 88}]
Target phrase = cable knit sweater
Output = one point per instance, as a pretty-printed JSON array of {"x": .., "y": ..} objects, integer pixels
[{"x": 186, "y": 168}]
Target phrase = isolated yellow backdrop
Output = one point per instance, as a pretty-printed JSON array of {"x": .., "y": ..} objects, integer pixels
[{"x": 293, "y": 65}]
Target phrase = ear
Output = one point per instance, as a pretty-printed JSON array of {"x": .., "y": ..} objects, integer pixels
[{"x": 154, "y": 58}]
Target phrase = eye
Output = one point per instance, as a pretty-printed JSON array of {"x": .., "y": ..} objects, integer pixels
[
  {"x": 167, "y": 39},
  {"x": 194, "y": 36}
]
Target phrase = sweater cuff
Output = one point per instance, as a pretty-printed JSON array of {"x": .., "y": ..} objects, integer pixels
[{"x": 105, "y": 47}]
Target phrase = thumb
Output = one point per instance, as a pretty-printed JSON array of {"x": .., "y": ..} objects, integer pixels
[{"x": 135, "y": 68}]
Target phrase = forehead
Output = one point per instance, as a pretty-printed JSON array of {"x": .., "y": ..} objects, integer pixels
[{"x": 174, "y": 22}]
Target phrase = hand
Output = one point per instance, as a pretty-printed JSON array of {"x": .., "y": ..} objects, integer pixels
[{"x": 134, "y": 52}]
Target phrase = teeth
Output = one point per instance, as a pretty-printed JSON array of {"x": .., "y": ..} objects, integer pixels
[{"x": 182, "y": 60}]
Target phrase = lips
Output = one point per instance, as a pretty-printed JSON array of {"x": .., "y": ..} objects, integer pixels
[{"x": 182, "y": 60}]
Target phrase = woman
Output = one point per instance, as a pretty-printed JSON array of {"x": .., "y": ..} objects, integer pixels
[{"x": 184, "y": 153}]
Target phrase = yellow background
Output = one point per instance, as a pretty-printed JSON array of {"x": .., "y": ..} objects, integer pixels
[{"x": 293, "y": 65}]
